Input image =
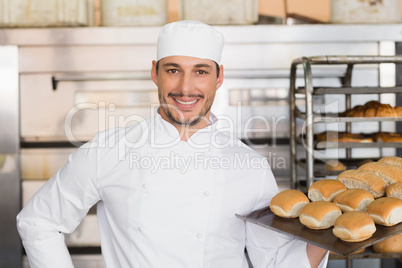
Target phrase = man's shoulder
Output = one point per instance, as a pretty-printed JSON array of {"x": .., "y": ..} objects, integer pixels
[{"x": 112, "y": 137}]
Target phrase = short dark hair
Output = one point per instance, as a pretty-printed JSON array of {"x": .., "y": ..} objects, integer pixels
[{"x": 217, "y": 68}]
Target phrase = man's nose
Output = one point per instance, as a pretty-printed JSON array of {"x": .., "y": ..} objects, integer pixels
[{"x": 186, "y": 83}]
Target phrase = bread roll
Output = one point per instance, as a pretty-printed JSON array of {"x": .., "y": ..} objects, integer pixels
[
  {"x": 288, "y": 203},
  {"x": 354, "y": 200},
  {"x": 394, "y": 190},
  {"x": 354, "y": 226},
  {"x": 389, "y": 245},
  {"x": 363, "y": 179},
  {"x": 319, "y": 214},
  {"x": 386, "y": 211},
  {"x": 325, "y": 190},
  {"x": 391, "y": 160},
  {"x": 334, "y": 165},
  {"x": 365, "y": 161},
  {"x": 389, "y": 173}
]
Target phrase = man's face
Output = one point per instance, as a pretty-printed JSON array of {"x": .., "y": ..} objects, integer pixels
[{"x": 186, "y": 89}]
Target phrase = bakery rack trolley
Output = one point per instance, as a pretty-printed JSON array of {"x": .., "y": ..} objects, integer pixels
[{"x": 311, "y": 118}]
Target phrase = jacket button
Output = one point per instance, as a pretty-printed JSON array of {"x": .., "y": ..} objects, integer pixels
[
  {"x": 141, "y": 229},
  {"x": 145, "y": 186},
  {"x": 199, "y": 236},
  {"x": 207, "y": 193}
]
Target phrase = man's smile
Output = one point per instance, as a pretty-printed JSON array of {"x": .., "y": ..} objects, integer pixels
[{"x": 185, "y": 102}]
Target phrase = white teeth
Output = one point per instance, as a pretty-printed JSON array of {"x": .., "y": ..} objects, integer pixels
[{"x": 186, "y": 102}]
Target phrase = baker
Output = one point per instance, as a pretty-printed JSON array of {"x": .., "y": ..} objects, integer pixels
[{"x": 181, "y": 212}]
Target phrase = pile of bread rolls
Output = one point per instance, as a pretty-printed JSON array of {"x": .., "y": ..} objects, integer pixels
[{"x": 352, "y": 204}]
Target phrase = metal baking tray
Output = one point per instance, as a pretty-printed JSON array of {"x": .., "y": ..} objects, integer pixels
[
  {"x": 322, "y": 238},
  {"x": 368, "y": 253}
]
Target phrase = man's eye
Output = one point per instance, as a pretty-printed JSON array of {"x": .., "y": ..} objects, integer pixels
[
  {"x": 202, "y": 72},
  {"x": 173, "y": 71}
]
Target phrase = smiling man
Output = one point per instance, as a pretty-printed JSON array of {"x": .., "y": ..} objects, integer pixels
[
  {"x": 187, "y": 74},
  {"x": 186, "y": 88},
  {"x": 167, "y": 189}
]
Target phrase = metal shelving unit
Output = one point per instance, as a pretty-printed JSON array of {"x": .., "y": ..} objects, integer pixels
[{"x": 311, "y": 118}]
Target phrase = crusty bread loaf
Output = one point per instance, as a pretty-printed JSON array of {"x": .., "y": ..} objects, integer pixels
[
  {"x": 391, "y": 160},
  {"x": 386, "y": 211},
  {"x": 394, "y": 190},
  {"x": 363, "y": 179},
  {"x": 373, "y": 109},
  {"x": 389, "y": 173},
  {"x": 354, "y": 200},
  {"x": 398, "y": 110},
  {"x": 389, "y": 245},
  {"x": 354, "y": 226},
  {"x": 354, "y": 137},
  {"x": 342, "y": 137},
  {"x": 319, "y": 214},
  {"x": 385, "y": 110},
  {"x": 387, "y": 137},
  {"x": 357, "y": 111},
  {"x": 325, "y": 190},
  {"x": 288, "y": 203}
]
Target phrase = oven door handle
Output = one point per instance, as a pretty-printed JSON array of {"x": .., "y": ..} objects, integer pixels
[{"x": 139, "y": 75}]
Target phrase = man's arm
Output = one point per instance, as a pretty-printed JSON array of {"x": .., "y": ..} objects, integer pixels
[
  {"x": 315, "y": 255},
  {"x": 268, "y": 248},
  {"x": 57, "y": 208}
]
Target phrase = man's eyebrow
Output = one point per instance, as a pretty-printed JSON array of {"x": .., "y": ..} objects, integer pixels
[
  {"x": 171, "y": 64},
  {"x": 203, "y": 65}
]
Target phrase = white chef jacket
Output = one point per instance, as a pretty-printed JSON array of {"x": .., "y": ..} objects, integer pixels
[{"x": 161, "y": 202}]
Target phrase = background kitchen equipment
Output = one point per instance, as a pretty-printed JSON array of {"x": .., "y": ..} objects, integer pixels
[
  {"x": 209, "y": 11},
  {"x": 45, "y": 13},
  {"x": 365, "y": 11},
  {"x": 139, "y": 12}
]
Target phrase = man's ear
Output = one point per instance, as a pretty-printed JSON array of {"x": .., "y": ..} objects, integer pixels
[
  {"x": 220, "y": 78},
  {"x": 154, "y": 74}
]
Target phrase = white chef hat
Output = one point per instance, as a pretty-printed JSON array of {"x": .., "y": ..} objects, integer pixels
[{"x": 190, "y": 38}]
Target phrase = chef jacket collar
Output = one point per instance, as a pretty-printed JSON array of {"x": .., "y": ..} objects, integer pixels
[{"x": 166, "y": 133}]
